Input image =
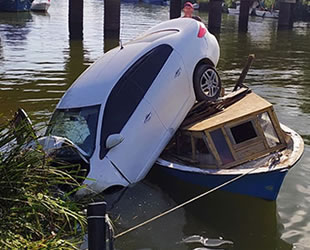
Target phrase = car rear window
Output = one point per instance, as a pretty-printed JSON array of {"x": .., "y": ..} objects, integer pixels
[{"x": 130, "y": 90}]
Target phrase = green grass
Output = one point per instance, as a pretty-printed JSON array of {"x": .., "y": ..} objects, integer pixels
[{"x": 34, "y": 214}]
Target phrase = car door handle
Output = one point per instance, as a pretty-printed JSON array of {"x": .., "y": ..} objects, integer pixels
[{"x": 148, "y": 117}]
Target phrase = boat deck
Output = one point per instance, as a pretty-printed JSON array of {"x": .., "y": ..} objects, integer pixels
[{"x": 283, "y": 159}]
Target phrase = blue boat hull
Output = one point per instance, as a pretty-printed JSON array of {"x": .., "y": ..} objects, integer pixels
[
  {"x": 15, "y": 5},
  {"x": 262, "y": 185}
]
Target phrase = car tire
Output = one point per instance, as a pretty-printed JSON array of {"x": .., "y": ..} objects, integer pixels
[{"x": 207, "y": 83}]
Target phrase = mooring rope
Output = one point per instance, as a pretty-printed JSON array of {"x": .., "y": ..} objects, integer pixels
[{"x": 184, "y": 203}]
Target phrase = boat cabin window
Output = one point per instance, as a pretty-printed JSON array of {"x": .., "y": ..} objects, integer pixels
[
  {"x": 130, "y": 90},
  {"x": 243, "y": 132},
  {"x": 193, "y": 149},
  {"x": 79, "y": 125},
  {"x": 269, "y": 131},
  {"x": 184, "y": 145},
  {"x": 202, "y": 153},
  {"x": 221, "y": 146}
]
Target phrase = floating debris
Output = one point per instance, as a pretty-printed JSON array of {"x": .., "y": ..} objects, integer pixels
[
  {"x": 204, "y": 248},
  {"x": 206, "y": 241}
]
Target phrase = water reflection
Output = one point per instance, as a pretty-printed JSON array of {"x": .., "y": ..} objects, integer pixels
[
  {"x": 250, "y": 223},
  {"x": 111, "y": 42},
  {"x": 1, "y": 52},
  {"x": 15, "y": 26},
  {"x": 139, "y": 203},
  {"x": 41, "y": 14},
  {"x": 76, "y": 62}
]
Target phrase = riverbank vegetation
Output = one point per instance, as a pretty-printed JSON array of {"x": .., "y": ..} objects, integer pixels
[{"x": 34, "y": 213}]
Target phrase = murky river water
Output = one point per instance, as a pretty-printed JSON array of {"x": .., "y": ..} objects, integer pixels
[{"x": 38, "y": 63}]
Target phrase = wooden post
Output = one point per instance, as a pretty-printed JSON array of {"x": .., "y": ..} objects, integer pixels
[
  {"x": 215, "y": 16},
  {"x": 76, "y": 19},
  {"x": 286, "y": 14},
  {"x": 244, "y": 15},
  {"x": 175, "y": 8},
  {"x": 244, "y": 72},
  {"x": 112, "y": 20}
]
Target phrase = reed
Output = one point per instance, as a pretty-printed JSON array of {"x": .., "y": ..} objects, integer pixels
[{"x": 34, "y": 213}]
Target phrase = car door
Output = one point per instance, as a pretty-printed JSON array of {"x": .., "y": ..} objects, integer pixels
[
  {"x": 143, "y": 134},
  {"x": 170, "y": 93},
  {"x": 128, "y": 113}
]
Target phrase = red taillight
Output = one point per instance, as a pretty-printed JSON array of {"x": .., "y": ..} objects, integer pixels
[{"x": 202, "y": 31}]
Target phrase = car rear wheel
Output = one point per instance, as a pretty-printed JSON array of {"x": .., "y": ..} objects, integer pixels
[{"x": 207, "y": 83}]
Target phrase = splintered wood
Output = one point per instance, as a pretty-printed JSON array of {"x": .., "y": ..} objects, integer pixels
[{"x": 205, "y": 109}]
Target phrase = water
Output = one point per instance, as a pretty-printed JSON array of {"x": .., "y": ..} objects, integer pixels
[{"x": 38, "y": 63}]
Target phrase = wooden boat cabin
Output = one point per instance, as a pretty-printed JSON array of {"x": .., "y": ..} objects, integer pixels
[{"x": 246, "y": 130}]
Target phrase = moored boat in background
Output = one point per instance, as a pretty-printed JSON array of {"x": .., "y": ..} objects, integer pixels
[
  {"x": 15, "y": 5},
  {"x": 40, "y": 5}
]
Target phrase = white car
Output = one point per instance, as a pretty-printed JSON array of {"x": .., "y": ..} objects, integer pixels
[{"x": 123, "y": 110}]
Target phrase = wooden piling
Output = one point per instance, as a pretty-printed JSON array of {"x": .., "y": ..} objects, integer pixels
[
  {"x": 285, "y": 20},
  {"x": 244, "y": 15},
  {"x": 112, "y": 19},
  {"x": 175, "y": 8},
  {"x": 76, "y": 19},
  {"x": 215, "y": 16}
]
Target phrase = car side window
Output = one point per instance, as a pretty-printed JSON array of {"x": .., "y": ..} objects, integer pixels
[{"x": 130, "y": 90}]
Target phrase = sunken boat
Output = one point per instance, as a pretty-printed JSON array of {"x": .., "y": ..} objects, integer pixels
[{"x": 237, "y": 136}]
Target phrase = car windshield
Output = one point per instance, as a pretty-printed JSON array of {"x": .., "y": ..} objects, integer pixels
[{"x": 79, "y": 125}]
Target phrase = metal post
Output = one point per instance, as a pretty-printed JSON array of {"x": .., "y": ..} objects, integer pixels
[
  {"x": 244, "y": 15},
  {"x": 112, "y": 20},
  {"x": 96, "y": 225},
  {"x": 175, "y": 8},
  {"x": 215, "y": 16},
  {"x": 76, "y": 19}
]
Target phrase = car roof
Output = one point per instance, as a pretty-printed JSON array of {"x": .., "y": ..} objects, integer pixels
[{"x": 95, "y": 84}]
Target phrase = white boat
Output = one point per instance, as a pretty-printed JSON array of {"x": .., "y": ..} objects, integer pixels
[
  {"x": 267, "y": 14},
  {"x": 255, "y": 11},
  {"x": 196, "y": 6},
  {"x": 42, "y": 5}
]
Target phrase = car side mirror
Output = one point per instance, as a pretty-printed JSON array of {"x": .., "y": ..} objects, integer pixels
[{"x": 113, "y": 140}]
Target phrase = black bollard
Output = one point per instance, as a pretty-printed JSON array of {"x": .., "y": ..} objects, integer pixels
[
  {"x": 76, "y": 19},
  {"x": 244, "y": 15},
  {"x": 96, "y": 226},
  {"x": 112, "y": 20},
  {"x": 286, "y": 14},
  {"x": 215, "y": 16},
  {"x": 175, "y": 8}
]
